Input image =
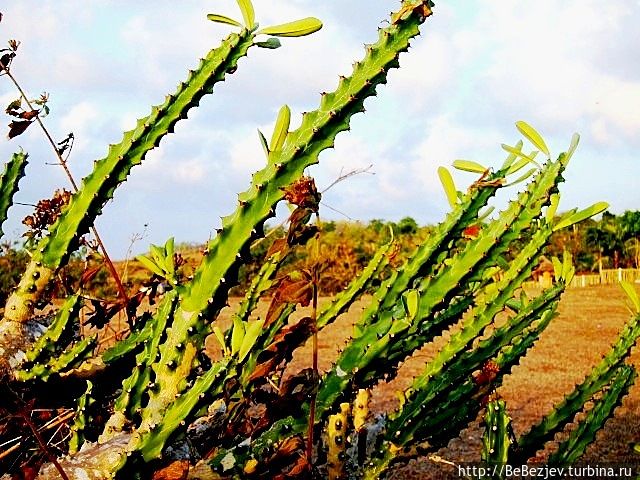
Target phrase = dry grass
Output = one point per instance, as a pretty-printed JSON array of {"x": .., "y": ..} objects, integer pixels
[{"x": 588, "y": 322}]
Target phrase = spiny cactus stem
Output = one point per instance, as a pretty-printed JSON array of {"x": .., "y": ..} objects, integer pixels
[
  {"x": 597, "y": 378},
  {"x": 9, "y": 183},
  {"x": 205, "y": 295},
  {"x": 572, "y": 448}
]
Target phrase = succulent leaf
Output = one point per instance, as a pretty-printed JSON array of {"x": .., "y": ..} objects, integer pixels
[
  {"x": 214, "y": 17},
  {"x": 533, "y": 136},
  {"x": 298, "y": 28}
]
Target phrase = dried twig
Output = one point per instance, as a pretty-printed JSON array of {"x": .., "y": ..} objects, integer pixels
[{"x": 349, "y": 174}]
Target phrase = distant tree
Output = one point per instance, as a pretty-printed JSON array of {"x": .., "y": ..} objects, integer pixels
[
  {"x": 630, "y": 224},
  {"x": 377, "y": 225},
  {"x": 407, "y": 226},
  {"x": 597, "y": 239},
  {"x": 607, "y": 239},
  {"x": 328, "y": 226}
]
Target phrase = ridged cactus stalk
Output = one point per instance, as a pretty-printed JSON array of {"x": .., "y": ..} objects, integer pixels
[
  {"x": 164, "y": 395},
  {"x": 602, "y": 389},
  {"x": 9, "y": 181},
  {"x": 498, "y": 438}
]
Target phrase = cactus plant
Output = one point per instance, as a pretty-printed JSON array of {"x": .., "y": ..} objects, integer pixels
[
  {"x": 497, "y": 440},
  {"x": 173, "y": 389}
]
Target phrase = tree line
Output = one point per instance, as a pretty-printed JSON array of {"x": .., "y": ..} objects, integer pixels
[{"x": 613, "y": 241}]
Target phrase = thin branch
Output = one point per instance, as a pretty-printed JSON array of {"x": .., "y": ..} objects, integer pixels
[
  {"x": 349, "y": 174},
  {"x": 336, "y": 210},
  {"x": 9, "y": 451},
  {"x": 54, "y": 422},
  {"x": 315, "y": 280},
  {"x": 136, "y": 237},
  {"x": 63, "y": 164},
  {"x": 43, "y": 446},
  {"x": 4, "y": 444}
]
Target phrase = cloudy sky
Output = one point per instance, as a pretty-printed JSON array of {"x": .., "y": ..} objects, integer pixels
[{"x": 564, "y": 67}]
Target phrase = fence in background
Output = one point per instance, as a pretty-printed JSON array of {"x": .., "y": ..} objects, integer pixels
[{"x": 605, "y": 277}]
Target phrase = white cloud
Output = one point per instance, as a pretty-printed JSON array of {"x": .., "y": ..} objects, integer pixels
[
  {"x": 445, "y": 143},
  {"x": 245, "y": 152},
  {"x": 541, "y": 61},
  {"x": 83, "y": 119},
  {"x": 191, "y": 172}
]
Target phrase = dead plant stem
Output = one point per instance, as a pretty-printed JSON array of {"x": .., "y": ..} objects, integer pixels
[{"x": 315, "y": 280}]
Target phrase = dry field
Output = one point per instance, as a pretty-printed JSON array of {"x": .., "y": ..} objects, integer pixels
[{"x": 588, "y": 322}]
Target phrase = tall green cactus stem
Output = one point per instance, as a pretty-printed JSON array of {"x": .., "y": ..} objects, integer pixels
[
  {"x": 68, "y": 359},
  {"x": 343, "y": 300},
  {"x": 599, "y": 376},
  {"x": 9, "y": 180},
  {"x": 150, "y": 439},
  {"x": 129, "y": 344},
  {"x": 206, "y": 294},
  {"x": 426, "y": 255},
  {"x": 262, "y": 282},
  {"x": 300, "y": 150},
  {"x": 579, "y": 439},
  {"x": 42, "y": 359},
  {"x": 497, "y": 438},
  {"x": 266, "y": 337},
  {"x": 121, "y": 350},
  {"x": 491, "y": 302},
  {"x": 112, "y": 170},
  {"x": 375, "y": 339},
  {"x": 339, "y": 305},
  {"x": 472, "y": 360},
  {"x": 135, "y": 387},
  {"x": 426, "y": 391}
]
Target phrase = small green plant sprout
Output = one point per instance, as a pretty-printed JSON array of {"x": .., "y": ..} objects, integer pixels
[
  {"x": 161, "y": 261},
  {"x": 297, "y": 28}
]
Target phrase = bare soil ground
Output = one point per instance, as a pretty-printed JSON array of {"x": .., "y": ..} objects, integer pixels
[{"x": 588, "y": 323}]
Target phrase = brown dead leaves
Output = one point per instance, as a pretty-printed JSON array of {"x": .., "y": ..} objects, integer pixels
[{"x": 282, "y": 347}]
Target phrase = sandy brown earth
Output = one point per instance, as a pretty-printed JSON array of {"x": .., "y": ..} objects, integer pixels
[{"x": 588, "y": 322}]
